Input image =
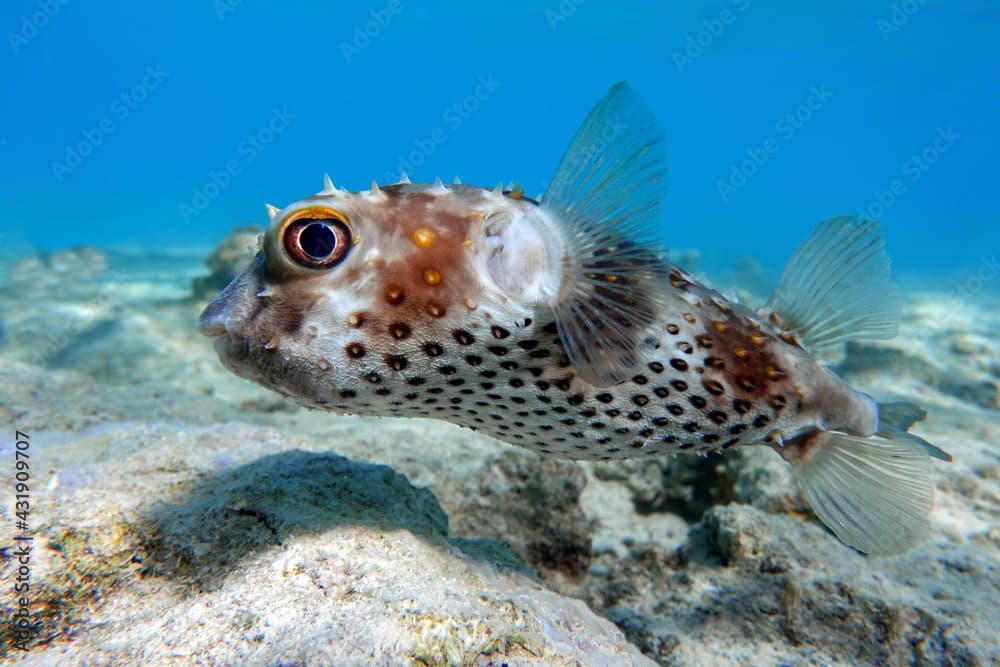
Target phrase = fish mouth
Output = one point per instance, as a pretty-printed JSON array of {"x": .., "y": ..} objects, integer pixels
[
  {"x": 216, "y": 321},
  {"x": 212, "y": 324},
  {"x": 224, "y": 316}
]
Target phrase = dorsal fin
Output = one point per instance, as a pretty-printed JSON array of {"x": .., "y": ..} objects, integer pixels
[
  {"x": 605, "y": 198},
  {"x": 836, "y": 287}
]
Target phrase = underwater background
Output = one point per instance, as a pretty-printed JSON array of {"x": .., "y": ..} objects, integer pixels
[
  {"x": 180, "y": 515},
  {"x": 162, "y": 125}
]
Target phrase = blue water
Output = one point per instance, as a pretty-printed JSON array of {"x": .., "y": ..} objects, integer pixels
[{"x": 165, "y": 125}]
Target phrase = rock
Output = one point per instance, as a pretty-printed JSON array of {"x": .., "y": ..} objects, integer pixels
[
  {"x": 67, "y": 273},
  {"x": 750, "y": 587},
  {"x": 234, "y": 544},
  {"x": 533, "y": 504},
  {"x": 231, "y": 257}
]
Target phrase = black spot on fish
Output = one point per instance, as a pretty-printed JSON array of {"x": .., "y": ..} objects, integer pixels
[
  {"x": 718, "y": 416},
  {"x": 713, "y": 387},
  {"x": 463, "y": 337},
  {"x": 396, "y": 362},
  {"x": 399, "y": 330},
  {"x": 432, "y": 349}
]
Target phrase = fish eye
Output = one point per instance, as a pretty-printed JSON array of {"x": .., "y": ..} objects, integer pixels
[{"x": 317, "y": 243}]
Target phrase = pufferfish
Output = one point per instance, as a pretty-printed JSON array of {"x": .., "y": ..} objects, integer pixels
[{"x": 559, "y": 325}]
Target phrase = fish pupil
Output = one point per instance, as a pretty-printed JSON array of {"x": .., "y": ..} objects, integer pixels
[{"x": 318, "y": 240}]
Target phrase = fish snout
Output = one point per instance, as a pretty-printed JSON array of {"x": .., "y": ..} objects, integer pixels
[
  {"x": 223, "y": 316},
  {"x": 212, "y": 321}
]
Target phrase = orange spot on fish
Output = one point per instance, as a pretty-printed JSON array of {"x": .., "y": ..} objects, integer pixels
[
  {"x": 470, "y": 304},
  {"x": 432, "y": 276},
  {"x": 423, "y": 237},
  {"x": 757, "y": 339},
  {"x": 789, "y": 337},
  {"x": 719, "y": 326}
]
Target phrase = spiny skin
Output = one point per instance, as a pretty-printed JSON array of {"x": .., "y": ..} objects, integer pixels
[{"x": 412, "y": 325}]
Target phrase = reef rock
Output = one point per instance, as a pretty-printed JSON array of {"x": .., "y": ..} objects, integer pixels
[
  {"x": 226, "y": 261},
  {"x": 236, "y": 545}
]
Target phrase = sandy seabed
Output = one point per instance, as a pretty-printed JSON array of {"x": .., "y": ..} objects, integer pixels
[{"x": 180, "y": 515}]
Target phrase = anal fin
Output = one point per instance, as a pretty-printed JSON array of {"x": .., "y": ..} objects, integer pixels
[{"x": 874, "y": 493}]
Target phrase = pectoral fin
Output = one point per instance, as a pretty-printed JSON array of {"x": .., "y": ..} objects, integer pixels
[{"x": 605, "y": 200}]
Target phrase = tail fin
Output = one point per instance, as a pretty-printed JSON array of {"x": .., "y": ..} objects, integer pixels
[
  {"x": 895, "y": 419},
  {"x": 873, "y": 492}
]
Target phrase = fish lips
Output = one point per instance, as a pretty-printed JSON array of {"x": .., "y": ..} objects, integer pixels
[{"x": 225, "y": 315}]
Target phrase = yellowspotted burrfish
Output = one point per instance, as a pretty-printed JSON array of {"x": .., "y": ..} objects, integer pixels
[{"x": 559, "y": 325}]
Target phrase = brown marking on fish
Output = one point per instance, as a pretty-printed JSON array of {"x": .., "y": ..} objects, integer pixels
[{"x": 751, "y": 369}]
